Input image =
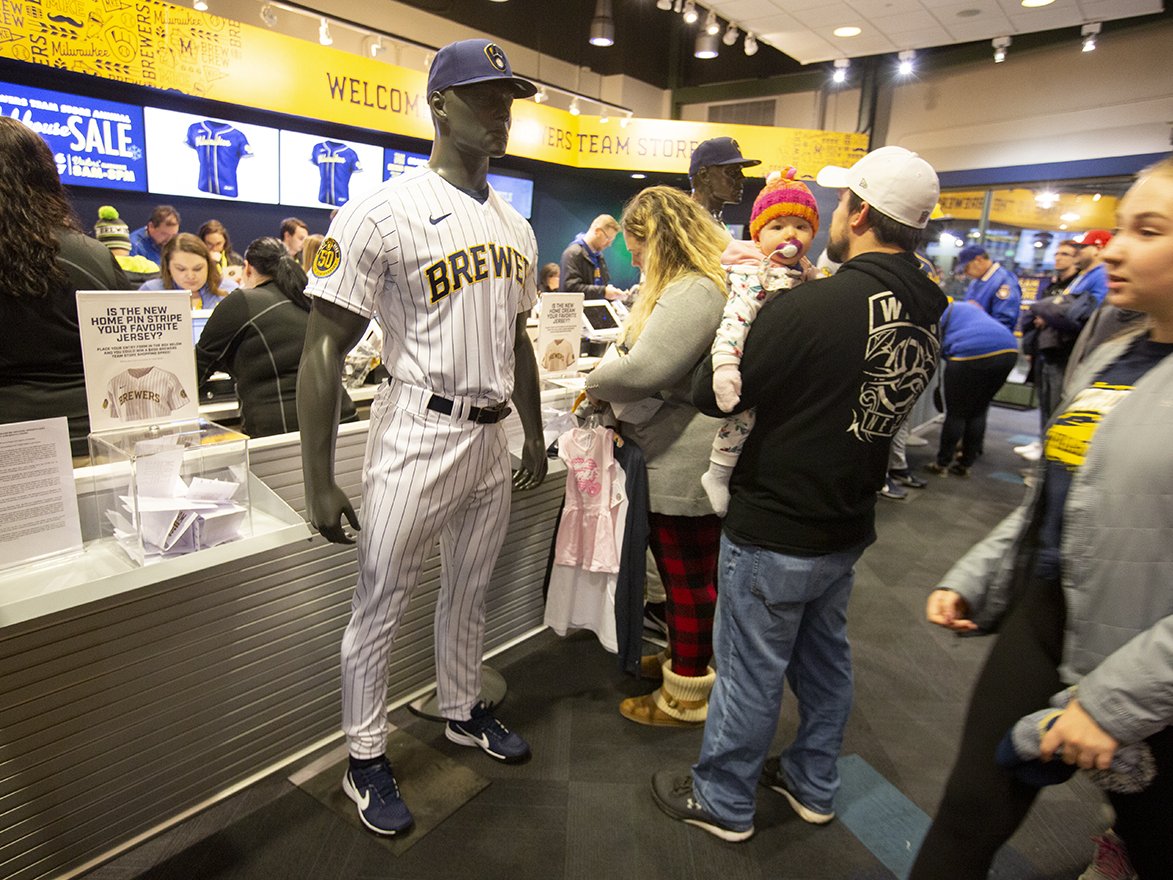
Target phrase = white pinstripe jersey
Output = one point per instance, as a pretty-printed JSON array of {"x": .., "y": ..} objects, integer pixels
[
  {"x": 144, "y": 393},
  {"x": 444, "y": 275}
]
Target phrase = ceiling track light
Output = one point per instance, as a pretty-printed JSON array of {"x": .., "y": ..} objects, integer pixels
[
  {"x": 751, "y": 44},
  {"x": 574, "y": 109},
  {"x": 541, "y": 96},
  {"x": 840, "y": 74},
  {"x": 707, "y": 45},
  {"x": 677, "y": 6},
  {"x": 731, "y": 34},
  {"x": 712, "y": 26},
  {"x": 907, "y": 59},
  {"x": 324, "y": 33},
  {"x": 604, "y": 116},
  {"x": 199, "y": 5},
  {"x": 626, "y": 120},
  {"x": 268, "y": 15},
  {"x": 690, "y": 13},
  {"x": 664, "y": 4},
  {"x": 377, "y": 47},
  {"x": 1000, "y": 44},
  {"x": 602, "y": 25},
  {"x": 1089, "y": 32}
]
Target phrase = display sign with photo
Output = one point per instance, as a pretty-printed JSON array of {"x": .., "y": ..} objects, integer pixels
[
  {"x": 95, "y": 142},
  {"x": 395, "y": 162},
  {"x": 138, "y": 356},
  {"x": 325, "y": 172},
  {"x": 559, "y": 333},
  {"x": 207, "y": 157}
]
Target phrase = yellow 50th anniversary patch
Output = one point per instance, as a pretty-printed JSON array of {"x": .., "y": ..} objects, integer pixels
[{"x": 328, "y": 259}]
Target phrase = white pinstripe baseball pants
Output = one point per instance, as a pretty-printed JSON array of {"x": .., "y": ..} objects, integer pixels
[{"x": 426, "y": 475}]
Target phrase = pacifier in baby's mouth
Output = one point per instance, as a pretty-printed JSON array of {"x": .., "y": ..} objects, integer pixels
[{"x": 788, "y": 249}]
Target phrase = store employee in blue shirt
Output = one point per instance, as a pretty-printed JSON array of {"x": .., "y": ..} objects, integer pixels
[
  {"x": 584, "y": 269},
  {"x": 994, "y": 287}
]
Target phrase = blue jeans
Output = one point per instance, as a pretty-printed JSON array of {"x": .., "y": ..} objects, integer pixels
[{"x": 779, "y": 618}]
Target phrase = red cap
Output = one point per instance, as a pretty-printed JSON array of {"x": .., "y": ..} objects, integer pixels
[{"x": 1098, "y": 237}]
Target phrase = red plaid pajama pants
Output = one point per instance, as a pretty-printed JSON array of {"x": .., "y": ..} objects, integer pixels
[{"x": 686, "y": 550}]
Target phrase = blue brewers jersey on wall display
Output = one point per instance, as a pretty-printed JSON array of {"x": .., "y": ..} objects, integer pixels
[
  {"x": 220, "y": 148},
  {"x": 336, "y": 163}
]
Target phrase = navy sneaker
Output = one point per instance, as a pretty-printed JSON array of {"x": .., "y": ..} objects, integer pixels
[
  {"x": 485, "y": 732},
  {"x": 376, "y": 793},
  {"x": 906, "y": 478},
  {"x": 773, "y": 778},
  {"x": 672, "y": 792}
]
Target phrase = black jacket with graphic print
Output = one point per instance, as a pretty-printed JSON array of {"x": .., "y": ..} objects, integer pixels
[{"x": 831, "y": 369}]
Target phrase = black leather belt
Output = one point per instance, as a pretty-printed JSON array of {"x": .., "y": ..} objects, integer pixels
[{"x": 482, "y": 415}]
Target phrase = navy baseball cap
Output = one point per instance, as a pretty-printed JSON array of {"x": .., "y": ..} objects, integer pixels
[
  {"x": 474, "y": 61},
  {"x": 718, "y": 151},
  {"x": 969, "y": 252}
]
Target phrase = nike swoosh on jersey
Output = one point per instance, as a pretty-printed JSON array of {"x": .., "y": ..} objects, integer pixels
[{"x": 435, "y": 220}]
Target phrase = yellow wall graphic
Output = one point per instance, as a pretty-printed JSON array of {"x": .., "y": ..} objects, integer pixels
[{"x": 151, "y": 43}]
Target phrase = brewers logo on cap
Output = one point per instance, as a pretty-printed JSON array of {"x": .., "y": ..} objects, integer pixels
[
  {"x": 328, "y": 259},
  {"x": 496, "y": 56}
]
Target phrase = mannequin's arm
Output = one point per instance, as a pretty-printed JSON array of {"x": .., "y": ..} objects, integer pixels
[
  {"x": 332, "y": 332},
  {"x": 527, "y": 398}
]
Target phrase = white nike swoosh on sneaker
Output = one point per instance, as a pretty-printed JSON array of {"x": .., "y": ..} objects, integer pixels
[
  {"x": 483, "y": 739},
  {"x": 364, "y": 801}
]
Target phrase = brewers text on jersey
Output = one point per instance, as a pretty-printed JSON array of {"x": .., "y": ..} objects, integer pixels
[{"x": 473, "y": 264}]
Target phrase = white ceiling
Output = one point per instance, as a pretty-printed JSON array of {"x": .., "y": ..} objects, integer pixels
[{"x": 803, "y": 28}]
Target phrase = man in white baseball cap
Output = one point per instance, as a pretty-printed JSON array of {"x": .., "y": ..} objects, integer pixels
[
  {"x": 894, "y": 181},
  {"x": 832, "y": 369}
]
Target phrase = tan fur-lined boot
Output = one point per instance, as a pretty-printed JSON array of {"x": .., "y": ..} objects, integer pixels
[
  {"x": 679, "y": 702},
  {"x": 650, "y": 665}
]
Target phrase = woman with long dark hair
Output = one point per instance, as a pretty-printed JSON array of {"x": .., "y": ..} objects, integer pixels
[
  {"x": 256, "y": 336},
  {"x": 47, "y": 260}
]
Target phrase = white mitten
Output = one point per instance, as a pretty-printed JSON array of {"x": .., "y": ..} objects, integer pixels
[{"x": 727, "y": 386}]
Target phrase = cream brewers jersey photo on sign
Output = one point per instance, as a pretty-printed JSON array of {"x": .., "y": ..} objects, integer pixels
[{"x": 139, "y": 357}]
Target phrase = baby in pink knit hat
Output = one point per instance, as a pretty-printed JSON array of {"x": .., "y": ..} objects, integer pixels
[{"x": 783, "y": 224}]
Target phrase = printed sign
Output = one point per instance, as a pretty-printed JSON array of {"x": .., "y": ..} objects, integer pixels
[
  {"x": 138, "y": 356},
  {"x": 559, "y": 332},
  {"x": 95, "y": 143}
]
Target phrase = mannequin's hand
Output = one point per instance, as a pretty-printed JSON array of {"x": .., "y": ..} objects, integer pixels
[
  {"x": 533, "y": 464},
  {"x": 325, "y": 513},
  {"x": 727, "y": 386}
]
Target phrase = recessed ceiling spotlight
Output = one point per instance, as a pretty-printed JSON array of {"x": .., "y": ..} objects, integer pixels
[
  {"x": 847, "y": 31},
  {"x": 639, "y": 175},
  {"x": 968, "y": 13},
  {"x": 1035, "y": 4}
]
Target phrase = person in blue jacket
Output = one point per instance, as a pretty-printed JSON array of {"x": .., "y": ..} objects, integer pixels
[
  {"x": 979, "y": 354},
  {"x": 993, "y": 287}
]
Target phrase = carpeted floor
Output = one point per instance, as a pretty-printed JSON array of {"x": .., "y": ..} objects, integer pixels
[{"x": 581, "y": 809}]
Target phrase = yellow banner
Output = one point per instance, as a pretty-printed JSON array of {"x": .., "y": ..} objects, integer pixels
[
  {"x": 152, "y": 43},
  {"x": 1018, "y": 207}
]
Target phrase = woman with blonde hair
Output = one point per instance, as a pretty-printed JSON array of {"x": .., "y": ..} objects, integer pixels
[
  {"x": 309, "y": 251},
  {"x": 670, "y": 329},
  {"x": 187, "y": 265}
]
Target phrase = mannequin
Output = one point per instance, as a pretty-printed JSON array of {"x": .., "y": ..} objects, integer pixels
[
  {"x": 452, "y": 286},
  {"x": 715, "y": 171}
]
